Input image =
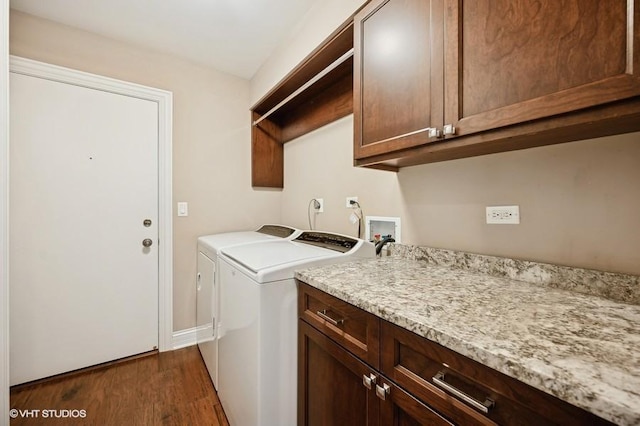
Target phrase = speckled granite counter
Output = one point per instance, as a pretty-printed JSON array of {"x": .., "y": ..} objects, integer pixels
[{"x": 581, "y": 348}]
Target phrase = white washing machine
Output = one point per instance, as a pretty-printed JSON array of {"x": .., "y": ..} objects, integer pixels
[
  {"x": 258, "y": 340},
  {"x": 207, "y": 296}
]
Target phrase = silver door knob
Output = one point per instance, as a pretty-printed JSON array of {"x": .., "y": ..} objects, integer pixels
[{"x": 147, "y": 242}]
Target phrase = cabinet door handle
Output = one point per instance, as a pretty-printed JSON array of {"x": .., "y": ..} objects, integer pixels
[
  {"x": 449, "y": 129},
  {"x": 323, "y": 314},
  {"x": 368, "y": 382},
  {"x": 383, "y": 391},
  {"x": 434, "y": 132},
  {"x": 438, "y": 380}
]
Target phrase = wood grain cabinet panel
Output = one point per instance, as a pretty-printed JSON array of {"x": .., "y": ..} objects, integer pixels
[
  {"x": 353, "y": 328},
  {"x": 330, "y": 387},
  {"x": 491, "y": 76},
  {"x": 397, "y": 75},
  {"x": 413, "y": 361},
  {"x": 332, "y": 390},
  {"x": 507, "y": 62},
  {"x": 399, "y": 408}
]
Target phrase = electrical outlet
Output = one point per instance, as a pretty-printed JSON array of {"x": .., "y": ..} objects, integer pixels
[
  {"x": 349, "y": 199},
  {"x": 503, "y": 215},
  {"x": 320, "y": 205}
]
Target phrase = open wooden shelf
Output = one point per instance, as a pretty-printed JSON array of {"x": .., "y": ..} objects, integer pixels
[{"x": 327, "y": 100}]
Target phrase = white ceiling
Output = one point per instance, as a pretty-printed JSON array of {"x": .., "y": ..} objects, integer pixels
[{"x": 235, "y": 36}]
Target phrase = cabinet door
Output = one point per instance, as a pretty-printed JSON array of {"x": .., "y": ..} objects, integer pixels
[
  {"x": 330, "y": 383},
  {"x": 508, "y": 62},
  {"x": 401, "y": 409},
  {"x": 398, "y": 73}
]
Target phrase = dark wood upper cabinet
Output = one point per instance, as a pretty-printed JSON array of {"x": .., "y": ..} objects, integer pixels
[
  {"x": 508, "y": 61},
  {"x": 436, "y": 80},
  {"x": 397, "y": 74},
  {"x": 491, "y": 75}
]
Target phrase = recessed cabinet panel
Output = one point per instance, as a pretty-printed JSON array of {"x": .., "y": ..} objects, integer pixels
[
  {"x": 508, "y": 61},
  {"x": 331, "y": 390},
  {"x": 395, "y": 77}
]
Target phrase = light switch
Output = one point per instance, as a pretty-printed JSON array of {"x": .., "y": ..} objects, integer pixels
[{"x": 183, "y": 209}]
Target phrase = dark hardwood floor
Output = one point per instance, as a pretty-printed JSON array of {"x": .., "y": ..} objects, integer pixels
[{"x": 169, "y": 388}]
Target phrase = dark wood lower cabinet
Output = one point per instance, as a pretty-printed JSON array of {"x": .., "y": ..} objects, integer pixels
[
  {"x": 357, "y": 369},
  {"x": 330, "y": 387},
  {"x": 401, "y": 409},
  {"x": 415, "y": 363},
  {"x": 336, "y": 388}
]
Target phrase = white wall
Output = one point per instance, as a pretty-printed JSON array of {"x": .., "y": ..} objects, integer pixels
[
  {"x": 322, "y": 19},
  {"x": 319, "y": 165},
  {"x": 579, "y": 202},
  {"x": 4, "y": 232}
]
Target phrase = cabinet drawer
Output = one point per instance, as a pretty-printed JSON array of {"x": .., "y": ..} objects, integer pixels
[
  {"x": 356, "y": 330},
  {"x": 416, "y": 363}
]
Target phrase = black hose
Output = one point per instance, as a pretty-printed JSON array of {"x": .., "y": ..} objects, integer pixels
[{"x": 380, "y": 244}]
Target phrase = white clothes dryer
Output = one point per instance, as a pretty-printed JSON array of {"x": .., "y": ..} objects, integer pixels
[
  {"x": 258, "y": 339},
  {"x": 208, "y": 319}
]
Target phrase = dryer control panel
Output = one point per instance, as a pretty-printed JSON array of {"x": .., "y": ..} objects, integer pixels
[{"x": 335, "y": 242}]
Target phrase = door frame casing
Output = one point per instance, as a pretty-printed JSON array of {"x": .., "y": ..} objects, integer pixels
[
  {"x": 4, "y": 212},
  {"x": 164, "y": 100}
]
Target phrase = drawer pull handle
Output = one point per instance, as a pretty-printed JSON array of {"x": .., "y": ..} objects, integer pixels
[
  {"x": 438, "y": 380},
  {"x": 323, "y": 314}
]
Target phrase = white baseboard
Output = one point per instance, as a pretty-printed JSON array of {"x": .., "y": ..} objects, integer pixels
[
  {"x": 189, "y": 336},
  {"x": 184, "y": 338}
]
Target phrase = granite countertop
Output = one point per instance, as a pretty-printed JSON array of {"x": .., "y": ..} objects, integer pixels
[{"x": 582, "y": 348}]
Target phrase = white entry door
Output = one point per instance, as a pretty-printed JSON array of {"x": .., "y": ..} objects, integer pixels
[{"x": 83, "y": 198}]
